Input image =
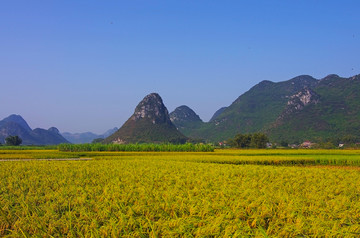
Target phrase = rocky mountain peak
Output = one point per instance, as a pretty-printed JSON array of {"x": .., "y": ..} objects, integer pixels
[
  {"x": 54, "y": 130},
  {"x": 330, "y": 80},
  {"x": 303, "y": 81},
  {"x": 331, "y": 76},
  {"x": 264, "y": 84},
  {"x": 18, "y": 120},
  {"x": 151, "y": 108},
  {"x": 184, "y": 114},
  {"x": 150, "y": 123}
]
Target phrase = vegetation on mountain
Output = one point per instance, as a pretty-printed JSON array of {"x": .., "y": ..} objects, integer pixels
[
  {"x": 334, "y": 116},
  {"x": 182, "y": 115},
  {"x": 293, "y": 111},
  {"x": 97, "y": 141},
  {"x": 185, "y": 120},
  {"x": 217, "y": 113}
]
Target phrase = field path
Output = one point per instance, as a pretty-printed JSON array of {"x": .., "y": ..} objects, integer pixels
[{"x": 54, "y": 159}]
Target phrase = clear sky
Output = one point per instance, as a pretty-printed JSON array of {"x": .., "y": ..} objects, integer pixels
[{"x": 84, "y": 65}]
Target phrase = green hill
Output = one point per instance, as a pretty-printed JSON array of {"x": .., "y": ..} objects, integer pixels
[
  {"x": 302, "y": 108},
  {"x": 185, "y": 119},
  {"x": 335, "y": 113},
  {"x": 217, "y": 113}
]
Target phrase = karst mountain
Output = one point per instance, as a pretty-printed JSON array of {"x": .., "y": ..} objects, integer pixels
[
  {"x": 150, "y": 123},
  {"x": 302, "y": 108},
  {"x": 15, "y": 125}
]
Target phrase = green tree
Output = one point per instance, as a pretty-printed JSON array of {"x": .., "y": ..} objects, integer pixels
[
  {"x": 13, "y": 140},
  {"x": 349, "y": 139},
  {"x": 259, "y": 140},
  {"x": 326, "y": 145},
  {"x": 242, "y": 140},
  {"x": 256, "y": 140},
  {"x": 98, "y": 140},
  {"x": 284, "y": 143}
]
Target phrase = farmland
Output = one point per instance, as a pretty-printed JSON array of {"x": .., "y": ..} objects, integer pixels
[{"x": 273, "y": 193}]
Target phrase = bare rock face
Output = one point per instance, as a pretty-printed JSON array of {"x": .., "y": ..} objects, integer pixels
[
  {"x": 356, "y": 77},
  {"x": 299, "y": 101},
  {"x": 153, "y": 109}
]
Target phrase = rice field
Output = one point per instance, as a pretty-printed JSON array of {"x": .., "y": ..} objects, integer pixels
[
  {"x": 226, "y": 193},
  {"x": 188, "y": 147}
]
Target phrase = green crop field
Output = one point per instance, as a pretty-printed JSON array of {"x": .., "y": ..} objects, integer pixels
[{"x": 226, "y": 193}]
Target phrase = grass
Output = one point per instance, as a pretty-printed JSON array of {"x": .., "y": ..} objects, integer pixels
[
  {"x": 137, "y": 147},
  {"x": 28, "y": 147},
  {"x": 181, "y": 194}
]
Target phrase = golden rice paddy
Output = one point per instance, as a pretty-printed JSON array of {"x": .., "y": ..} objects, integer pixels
[{"x": 226, "y": 193}]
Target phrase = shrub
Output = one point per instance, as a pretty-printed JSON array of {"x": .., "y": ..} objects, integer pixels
[{"x": 13, "y": 140}]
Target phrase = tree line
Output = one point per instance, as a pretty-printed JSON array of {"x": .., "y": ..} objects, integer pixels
[
  {"x": 255, "y": 140},
  {"x": 12, "y": 141}
]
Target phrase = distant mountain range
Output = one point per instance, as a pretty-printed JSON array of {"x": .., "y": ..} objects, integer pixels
[
  {"x": 302, "y": 108},
  {"x": 299, "y": 109},
  {"x": 150, "y": 123},
  {"x": 15, "y": 125},
  {"x": 86, "y": 137}
]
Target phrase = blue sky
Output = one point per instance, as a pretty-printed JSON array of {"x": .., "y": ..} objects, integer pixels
[{"x": 85, "y": 65}]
